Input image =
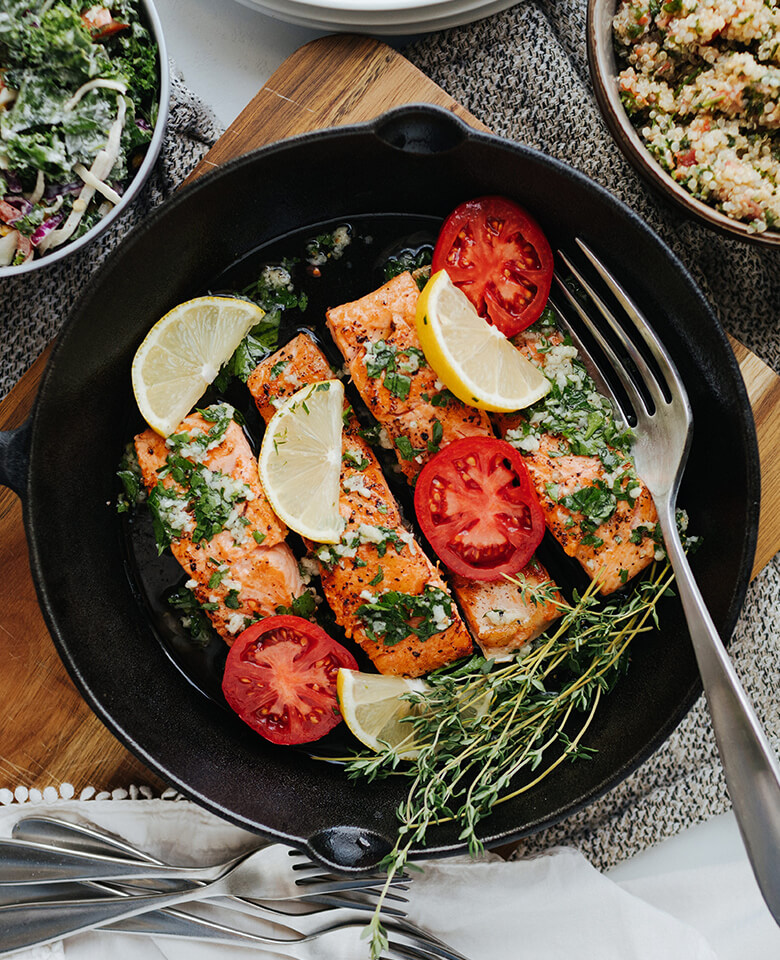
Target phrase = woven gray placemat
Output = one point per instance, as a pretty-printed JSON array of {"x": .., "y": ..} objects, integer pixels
[
  {"x": 34, "y": 305},
  {"x": 524, "y": 73}
]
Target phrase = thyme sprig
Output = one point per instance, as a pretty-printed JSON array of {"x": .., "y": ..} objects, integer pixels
[{"x": 481, "y": 724}]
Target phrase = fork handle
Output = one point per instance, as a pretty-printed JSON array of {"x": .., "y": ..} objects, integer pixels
[
  {"x": 749, "y": 762},
  {"x": 34, "y": 924}
]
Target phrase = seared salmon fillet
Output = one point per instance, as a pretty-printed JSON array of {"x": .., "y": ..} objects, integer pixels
[
  {"x": 503, "y": 616},
  {"x": 383, "y": 325},
  {"x": 595, "y": 505},
  {"x": 377, "y": 335},
  {"x": 376, "y": 556},
  {"x": 205, "y": 492}
]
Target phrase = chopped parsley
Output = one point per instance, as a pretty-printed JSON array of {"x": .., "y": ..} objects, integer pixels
[
  {"x": 372, "y": 434},
  {"x": 437, "y": 432},
  {"x": 302, "y": 606},
  {"x": 170, "y": 519},
  {"x": 596, "y": 504},
  {"x": 381, "y": 537},
  {"x": 194, "y": 619},
  {"x": 358, "y": 462},
  {"x": 393, "y": 616},
  {"x": 273, "y": 292},
  {"x": 591, "y": 540},
  {"x": 646, "y": 531},
  {"x": 130, "y": 475},
  {"x": 328, "y": 246},
  {"x": 573, "y": 409},
  {"x": 443, "y": 398},
  {"x": 203, "y": 502},
  {"x": 381, "y": 357},
  {"x": 196, "y": 442},
  {"x": 405, "y": 448},
  {"x": 584, "y": 423},
  {"x": 398, "y": 384},
  {"x": 408, "y": 261}
]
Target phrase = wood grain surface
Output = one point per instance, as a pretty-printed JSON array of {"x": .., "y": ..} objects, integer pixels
[{"x": 48, "y": 734}]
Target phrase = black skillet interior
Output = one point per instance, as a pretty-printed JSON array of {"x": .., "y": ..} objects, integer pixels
[{"x": 417, "y": 162}]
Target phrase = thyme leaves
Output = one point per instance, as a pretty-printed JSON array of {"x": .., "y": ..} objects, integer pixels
[{"x": 537, "y": 706}]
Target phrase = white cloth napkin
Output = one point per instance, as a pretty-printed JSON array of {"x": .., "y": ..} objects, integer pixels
[{"x": 554, "y": 907}]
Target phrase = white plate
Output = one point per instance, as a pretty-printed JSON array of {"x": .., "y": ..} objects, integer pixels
[
  {"x": 448, "y": 13},
  {"x": 369, "y": 6},
  {"x": 404, "y": 21}
]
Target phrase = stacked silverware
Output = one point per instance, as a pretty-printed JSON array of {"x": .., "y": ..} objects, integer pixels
[{"x": 59, "y": 878}]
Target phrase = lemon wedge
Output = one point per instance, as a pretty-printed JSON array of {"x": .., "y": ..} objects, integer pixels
[
  {"x": 300, "y": 461},
  {"x": 182, "y": 354},
  {"x": 372, "y": 709},
  {"x": 474, "y": 360}
]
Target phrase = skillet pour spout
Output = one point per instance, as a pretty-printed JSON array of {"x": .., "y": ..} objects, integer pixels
[{"x": 417, "y": 162}]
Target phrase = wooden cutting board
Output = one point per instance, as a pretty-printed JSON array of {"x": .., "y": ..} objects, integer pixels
[{"x": 48, "y": 734}]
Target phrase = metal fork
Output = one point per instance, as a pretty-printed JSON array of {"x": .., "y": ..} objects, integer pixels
[
  {"x": 326, "y": 912},
  {"x": 660, "y": 452},
  {"x": 265, "y": 874},
  {"x": 283, "y": 873}
]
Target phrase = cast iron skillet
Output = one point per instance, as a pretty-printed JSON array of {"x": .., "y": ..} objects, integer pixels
[{"x": 413, "y": 160}]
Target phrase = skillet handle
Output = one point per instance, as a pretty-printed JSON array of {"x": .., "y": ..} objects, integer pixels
[
  {"x": 348, "y": 849},
  {"x": 15, "y": 457},
  {"x": 421, "y": 128}
]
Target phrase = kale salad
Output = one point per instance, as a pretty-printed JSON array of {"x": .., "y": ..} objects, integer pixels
[{"x": 79, "y": 92}]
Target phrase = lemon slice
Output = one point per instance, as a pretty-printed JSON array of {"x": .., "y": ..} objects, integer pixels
[
  {"x": 473, "y": 358},
  {"x": 300, "y": 461},
  {"x": 183, "y": 353},
  {"x": 372, "y": 709}
]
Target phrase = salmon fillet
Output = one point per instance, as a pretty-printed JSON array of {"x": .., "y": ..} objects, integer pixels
[
  {"x": 621, "y": 546},
  {"x": 385, "y": 321},
  {"x": 506, "y": 616},
  {"x": 417, "y": 399},
  {"x": 376, "y": 555},
  {"x": 239, "y": 571}
]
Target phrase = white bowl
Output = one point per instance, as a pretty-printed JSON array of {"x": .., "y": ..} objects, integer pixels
[{"x": 152, "y": 152}]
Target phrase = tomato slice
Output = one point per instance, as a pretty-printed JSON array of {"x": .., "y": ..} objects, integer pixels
[
  {"x": 477, "y": 506},
  {"x": 497, "y": 254},
  {"x": 101, "y": 24},
  {"x": 280, "y": 678}
]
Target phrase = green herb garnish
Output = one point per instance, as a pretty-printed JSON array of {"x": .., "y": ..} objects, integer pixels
[
  {"x": 393, "y": 616},
  {"x": 480, "y": 724}
]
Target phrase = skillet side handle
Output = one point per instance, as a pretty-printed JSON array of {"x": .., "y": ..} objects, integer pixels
[
  {"x": 348, "y": 849},
  {"x": 15, "y": 457},
  {"x": 421, "y": 128}
]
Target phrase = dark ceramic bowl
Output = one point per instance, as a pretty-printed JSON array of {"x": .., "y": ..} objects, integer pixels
[
  {"x": 603, "y": 72},
  {"x": 152, "y": 22}
]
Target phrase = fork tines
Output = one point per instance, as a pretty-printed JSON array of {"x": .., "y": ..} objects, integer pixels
[{"x": 636, "y": 376}]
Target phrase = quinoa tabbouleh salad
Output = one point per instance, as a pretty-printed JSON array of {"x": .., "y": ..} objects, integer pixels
[
  {"x": 701, "y": 83},
  {"x": 78, "y": 103}
]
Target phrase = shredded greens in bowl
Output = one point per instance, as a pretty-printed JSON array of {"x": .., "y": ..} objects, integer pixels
[{"x": 79, "y": 96}]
